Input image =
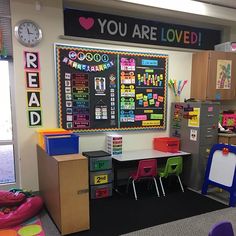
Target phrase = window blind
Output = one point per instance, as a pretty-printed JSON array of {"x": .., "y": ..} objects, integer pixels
[{"x": 5, "y": 28}]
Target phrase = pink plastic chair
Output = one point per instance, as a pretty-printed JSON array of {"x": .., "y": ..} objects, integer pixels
[
  {"x": 223, "y": 228},
  {"x": 147, "y": 169}
]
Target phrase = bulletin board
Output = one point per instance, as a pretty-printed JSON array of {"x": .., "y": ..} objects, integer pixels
[{"x": 106, "y": 90}]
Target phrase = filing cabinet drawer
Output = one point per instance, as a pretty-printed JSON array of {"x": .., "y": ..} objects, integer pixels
[
  {"x": 209, "y": 135},
  {"x": 210, "y": 114}
]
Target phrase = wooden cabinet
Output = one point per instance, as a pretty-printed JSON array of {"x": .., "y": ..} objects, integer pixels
[
  {"x": 207, "y": 67},
  {"x": 227, "y": 138},
  {"x": 63, "y": 184}
]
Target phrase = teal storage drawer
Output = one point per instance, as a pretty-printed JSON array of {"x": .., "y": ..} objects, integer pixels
[{"x": 100, "y": 163}]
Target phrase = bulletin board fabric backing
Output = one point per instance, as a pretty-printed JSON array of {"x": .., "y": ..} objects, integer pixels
[{"x": 107, "y": 90}]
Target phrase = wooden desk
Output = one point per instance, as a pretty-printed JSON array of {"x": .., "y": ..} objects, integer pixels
[
  {"x": 63, "y": 184},
  {"x": 227, "y": 138},
  {"x": 129, "y": 156}
]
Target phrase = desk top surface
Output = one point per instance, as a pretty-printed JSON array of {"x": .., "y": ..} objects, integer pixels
[
  {"x": 146, "y": 154},
  {"x": 227, "y": 134}
]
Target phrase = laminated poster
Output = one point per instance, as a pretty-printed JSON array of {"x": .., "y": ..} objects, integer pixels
[
  {"x": 195, "y": 120},
  {"x": 223, "y": 79}
]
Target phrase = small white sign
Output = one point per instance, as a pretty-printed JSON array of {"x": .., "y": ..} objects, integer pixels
[{"x": 193, "y": 134}]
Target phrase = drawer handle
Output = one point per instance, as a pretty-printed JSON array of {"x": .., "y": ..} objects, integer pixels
[
  {"x": 82, "y": 191},
  {"x": 209, "y": 136}
]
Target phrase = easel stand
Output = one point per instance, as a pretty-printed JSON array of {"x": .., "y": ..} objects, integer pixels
[{"x": 220, "y": 170}]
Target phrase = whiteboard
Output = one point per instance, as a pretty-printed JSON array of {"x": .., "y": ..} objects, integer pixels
[{"x": 222, "y": 168}]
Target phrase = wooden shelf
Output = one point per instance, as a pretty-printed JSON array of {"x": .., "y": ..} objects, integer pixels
[
  {"x": 227, "y": 138},
  {"x": 63, "y": 184}
]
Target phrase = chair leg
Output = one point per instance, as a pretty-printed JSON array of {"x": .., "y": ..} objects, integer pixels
[
  {"x": 180, "y": 183},
  {"x": 154, "y": 179},
  {"x": 162, "y": 186},
  {"x": 135, "y": 194},
  {"x": 127, "y": 186}
]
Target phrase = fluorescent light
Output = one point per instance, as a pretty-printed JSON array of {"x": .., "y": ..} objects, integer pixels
[{"x": 180, "y": 5}]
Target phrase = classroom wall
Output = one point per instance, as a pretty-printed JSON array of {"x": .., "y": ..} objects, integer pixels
[{"x": 50, "y": 18}]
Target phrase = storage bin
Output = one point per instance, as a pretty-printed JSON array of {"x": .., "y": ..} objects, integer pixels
[
  {"x": 101, "y": 191},
  {"x": 42, "y": 132},
  {"x": 166, "y": 144},
  {"x": 62, "y": 144},
  {"x": 100, "y": 163},
  {"x": 100, "y": 177}
]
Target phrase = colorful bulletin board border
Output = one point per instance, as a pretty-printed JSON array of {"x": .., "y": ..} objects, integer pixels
[{"x": 107, "y": 90}]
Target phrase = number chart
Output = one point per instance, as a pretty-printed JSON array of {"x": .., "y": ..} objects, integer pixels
[{"x": 106, "y": 90}]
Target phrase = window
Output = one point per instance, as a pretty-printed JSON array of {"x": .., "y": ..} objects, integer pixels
[{"x": 7, "y": 163}]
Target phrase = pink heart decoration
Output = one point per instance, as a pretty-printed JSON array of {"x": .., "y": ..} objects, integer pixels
[{"x": 86, "y": 23}]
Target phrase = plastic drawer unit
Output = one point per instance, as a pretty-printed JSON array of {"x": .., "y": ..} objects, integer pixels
[
  {"x": 114, "y": 144},
  {"x": 100, "y": 173}
]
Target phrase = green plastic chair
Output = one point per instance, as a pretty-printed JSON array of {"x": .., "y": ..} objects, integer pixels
[{"x": 174, "y": 166}]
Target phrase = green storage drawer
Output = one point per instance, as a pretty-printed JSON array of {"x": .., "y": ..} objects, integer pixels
[{"x": 100, "y": 163}]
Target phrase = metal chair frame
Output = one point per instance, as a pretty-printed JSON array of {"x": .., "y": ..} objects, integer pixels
[{"x": 134, "y": 188}]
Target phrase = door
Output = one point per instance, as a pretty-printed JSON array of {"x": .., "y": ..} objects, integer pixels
[{"x": 8, "y": 164}]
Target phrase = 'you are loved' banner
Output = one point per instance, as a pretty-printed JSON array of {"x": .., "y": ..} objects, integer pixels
[{"x": 126, "y": 29}]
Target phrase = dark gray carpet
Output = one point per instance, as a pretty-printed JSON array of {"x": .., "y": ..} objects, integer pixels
[{"x": 121, "y": 214}]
